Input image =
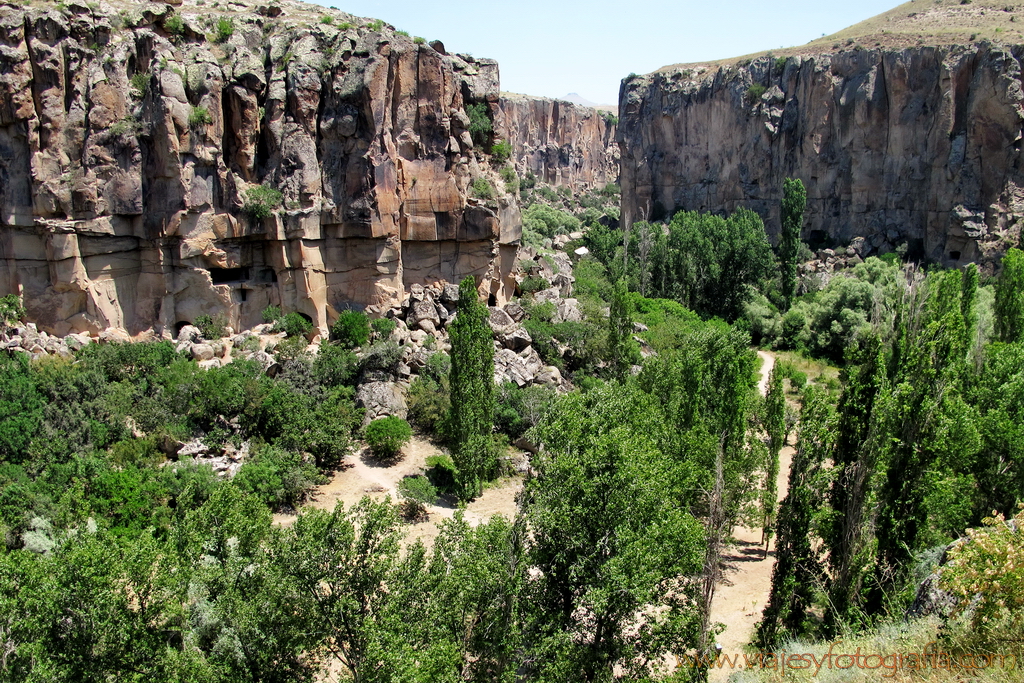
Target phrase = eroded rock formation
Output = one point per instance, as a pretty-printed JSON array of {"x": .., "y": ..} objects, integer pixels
[
  {"x": 561, "y": 143},
  {"x": 131, "y": 137},
  {"x": 918, "y": 146}
]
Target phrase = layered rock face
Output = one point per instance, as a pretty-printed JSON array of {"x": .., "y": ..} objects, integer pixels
[
  {"x": 131, "y": 140},
  {"x": 561, "y": 143},
  {"x": 918, "y": 146}
]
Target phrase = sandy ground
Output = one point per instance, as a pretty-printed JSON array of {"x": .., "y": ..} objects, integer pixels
[
  {"x": 363, "y": 475},
  {"x": 746, "y": 572}
]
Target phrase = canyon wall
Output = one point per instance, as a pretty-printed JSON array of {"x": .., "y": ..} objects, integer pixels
[
  {"x": 561, "y": 143},
  {"x": 918, "y": 146},
  {"x": 132, "y": 138}
]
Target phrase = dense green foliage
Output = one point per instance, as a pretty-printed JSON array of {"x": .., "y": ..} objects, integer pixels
[
  {"x": 1009, "y": 303},
  {"x": 471, "y": 415},
  {"x": 480, "y": 126},
  {"x": 352, "y": 329},
  {"x": 387, "y": 435},
  {"x": 261, "y": 202}
]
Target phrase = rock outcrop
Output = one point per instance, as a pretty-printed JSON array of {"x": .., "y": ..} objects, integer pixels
[
  {"x": 561, "y": 143},
  {"x": 131, "y": 142},
  {"x": 918, "y": 145}
]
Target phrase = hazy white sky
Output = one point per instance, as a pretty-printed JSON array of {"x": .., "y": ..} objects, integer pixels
[{"x": 552, "y": 47}]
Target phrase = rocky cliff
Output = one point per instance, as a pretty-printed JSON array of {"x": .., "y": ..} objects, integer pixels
[
  {"x": 131, "y": 139},
  {"x": 561, "y": 143},
  {"x": 919, "y": 145}
]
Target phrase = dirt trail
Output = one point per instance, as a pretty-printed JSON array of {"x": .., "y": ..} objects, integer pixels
[
  {"x": 365, "y": 476},
  {"x": 747, "y": 574}
]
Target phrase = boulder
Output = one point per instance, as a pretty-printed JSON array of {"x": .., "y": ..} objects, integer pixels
[
  {"x": 514, "y": 337},
  {"x": 381, "y": 399}
]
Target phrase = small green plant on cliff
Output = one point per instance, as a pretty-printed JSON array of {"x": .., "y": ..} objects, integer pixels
[
  {"x": 127, "y": 127},
  {"x": 402, "y": 33},
  {"x": 225, "y": 29},
  {"x": 140, "y": 84},
  {"x": 508, "y": 174},
  {"x": 174, "y": 25},
  {"x": 501, "y": 151},
  {"x": 376, "y": 25},
  {"x": 419, "y": 40},
  {"x": 326, "y": 19},
  {"x": 610, "y": 118},
  {"x": 482, "y": 189},
  {"x": 261, "y": 201},
  {"x": 199, "y": 116},
  {"x": 479, "y": 123},
  {"x": 754, "y": 93},
  {"x": 345, "y": 26}
]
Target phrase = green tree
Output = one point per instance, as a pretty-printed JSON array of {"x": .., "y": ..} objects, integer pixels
[
  {"x": 612, "y": 537},
  {"x": 12, "y": 311},
  {"x": 797, "y": 569},
  {"x": 351, "y": 329},
  {"x": 1009, "y": 305},
  {"x": 470, "y": 417},
  {"x": 622, "y": 349},
  {"x": 775, "y": 427},
  {"x": 794, "y": 201}
]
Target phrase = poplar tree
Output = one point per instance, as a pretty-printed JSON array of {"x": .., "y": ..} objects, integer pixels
[
  {"x": 471, "y": 415},
  {"x": 794, "y": 201},
  {"x": 775, "y": 426},
  {"x": 622, "y": 349},
  {"x": 1009, "y": 304}
]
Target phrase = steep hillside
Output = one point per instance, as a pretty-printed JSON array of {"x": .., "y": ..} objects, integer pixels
[
  {"x": 908, "y": 144},
  {"x": 135, "y": 140}
]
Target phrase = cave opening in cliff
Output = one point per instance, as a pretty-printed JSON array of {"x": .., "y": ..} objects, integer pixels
[
  {"x": 178, "y": 327},
  {"x": 954, "y": 255},
  {"x": 222, "y": 276}
]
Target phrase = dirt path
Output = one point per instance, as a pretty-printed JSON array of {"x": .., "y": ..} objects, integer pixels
[
  {"x": 365, "y": 476},
  {"x": 747, "y": 574}
]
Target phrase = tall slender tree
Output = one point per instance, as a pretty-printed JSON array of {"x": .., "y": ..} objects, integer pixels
[
  {"x": 1009, "y": 304},
  {"x": 794, "y": 201},
  {"x": 471, "y": 415},
  {"x": 621, "y": 347},
  {"x": 775, "y": 426}
]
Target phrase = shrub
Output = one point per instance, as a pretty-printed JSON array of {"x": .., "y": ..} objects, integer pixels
[
  {"x": 225, "y": 29},
  {"x": 383, "y": 327},
  {"x": 381, "y": 357},
  {"x": 351, "y": 329},
  {"x": 334, "y": 366},
  {"x": 211, "y": 327},
  {"x": 441, "y": 472},
  {"x": 293, "y": 325},
  {"x": 376, "y": 25},
  {"x": 199, "y": 116},
  {"x": 549, "y": 221},
  {"x": 610, "y": 118},
  {"x": 277, "y": 477},
  {"x": 174, "y": 25},
  {"x": 402, "y": 33},
  {"x": 140, "y": 84},
  {"x": 345, "y": 26},
  {"x": 261, "y": 201},
  {"x": 501, "y": 151},
  {"x": 326, "y": 19},
  {"x": 508, "y": 174},
  {"x": 418, "y": 488},
  {"x": 754, "y": 93},
  {"x": 387, "y": 435},
  {"x": 418, "y": 40},
  {"x": 482, "y": 188},
  {"x": 480, "y": 126},
  {"x": 290, "y": 348},
  {"x": 429, "y": 400},
  {"x": 11, "y": 310},
  {"x": 271, "y": 314},
  {"x": 534, "y": 283}
]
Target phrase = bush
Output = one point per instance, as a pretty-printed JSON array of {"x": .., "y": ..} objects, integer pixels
[
  {"x": 334, "y": 366},
  {"x": 225, "y": 29},
  {"x": 383, "y": 327},
  {"x": 128, "y": 127},
  {"x": 482, "y": 188},
  {"x": 174, "y": 25},
  {"x": 261, "y": 201},
  {"x": 271, "y": 314},
  {"x": 549, "y": 221},
  {"x": 534, "y": 283},
  {"x": 501, "y": 151},
  {"x": 199, "y": 116},
  {"x": 376, "y": 25},
  {"x": 140, "y": 84},
  {"x": 381, "y": 357},
  {"x": 418, "y": 488},
  {"x": 387, "y": 435},
  {"x": 480, "y": 126},
  {"x": 419, "y": 40},
  {"x": 293, "y": 325},
  {"x": 351, "y": 329},
  {"x": 277, "y": 477},
  {"x": 326, "y": 19},
  {"x": 441, "y": 472},
  {"x": 11, "y": 310},
  {"x": 508, "y": 174},
  {"x": 211, "y": 327},
  {"x": 429, "y": 401},
  {"x": 754, "y": 93}
]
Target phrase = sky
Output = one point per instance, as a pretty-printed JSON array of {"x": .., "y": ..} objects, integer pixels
[{"x": 551, "y": 48}]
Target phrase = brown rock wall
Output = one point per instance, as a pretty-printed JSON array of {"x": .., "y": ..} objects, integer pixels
[
  {"x": 918, "y": 146},
  {"x": 126, "y": 152}
]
